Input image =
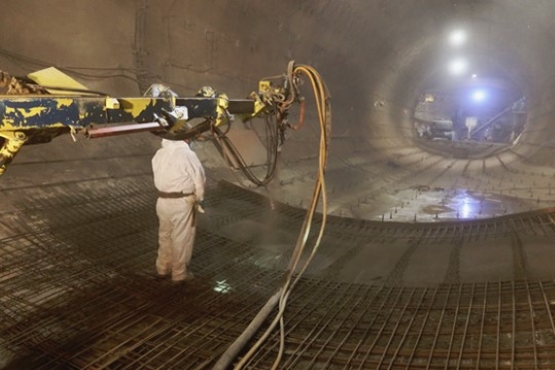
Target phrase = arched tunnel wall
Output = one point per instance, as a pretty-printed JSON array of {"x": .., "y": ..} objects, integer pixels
[
  {"x": 396, "y": 240},
  {"x": 375, "y": 69}
]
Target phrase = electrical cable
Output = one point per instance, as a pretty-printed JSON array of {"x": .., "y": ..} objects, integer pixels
[
  {"x": 319, "y": 193},
  {"x": 278, "y": 107},
  {"x": 324, "y": 113},
  {"x": 272, "y": 153}
]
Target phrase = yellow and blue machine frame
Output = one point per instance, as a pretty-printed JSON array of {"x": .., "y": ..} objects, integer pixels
[
  {"x": 31, "y": 113},
  {"x": 43, "y": 105},
  {"x": 38, "y": 119}
]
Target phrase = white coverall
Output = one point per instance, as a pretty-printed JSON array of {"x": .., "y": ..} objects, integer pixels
[{"x": 176, "y": 169}]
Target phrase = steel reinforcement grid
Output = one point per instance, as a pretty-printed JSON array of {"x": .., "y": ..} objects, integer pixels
[{"x": 78, "y": 291}]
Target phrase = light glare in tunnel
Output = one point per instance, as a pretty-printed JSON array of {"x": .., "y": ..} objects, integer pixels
[
  {"x": 458, "y": 66},
  {"x": 466, "y": 208},
  {"x": 457, "y": 37},
  {"x": 478, "y": 95},
  {"x": 222, "y": 287}
]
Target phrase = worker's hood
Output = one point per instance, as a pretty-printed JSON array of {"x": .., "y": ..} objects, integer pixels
[{"x": 174, "y": 144}]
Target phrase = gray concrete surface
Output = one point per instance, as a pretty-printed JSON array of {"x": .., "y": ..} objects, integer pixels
[{"x": 408, "y": 222}]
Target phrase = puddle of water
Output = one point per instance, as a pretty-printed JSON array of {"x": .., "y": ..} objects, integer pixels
[{"x": 437, "y": 204}]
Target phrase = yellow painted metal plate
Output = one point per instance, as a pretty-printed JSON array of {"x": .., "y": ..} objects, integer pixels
[{"x": 53, "y": 77}]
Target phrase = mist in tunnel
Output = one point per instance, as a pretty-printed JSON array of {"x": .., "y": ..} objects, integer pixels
[
  {"x": 376, "y": 71},
  {"x": 418, "y": 202}
]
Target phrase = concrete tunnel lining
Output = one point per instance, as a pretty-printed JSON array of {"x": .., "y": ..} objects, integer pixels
[{"x": 376, "y": 57}]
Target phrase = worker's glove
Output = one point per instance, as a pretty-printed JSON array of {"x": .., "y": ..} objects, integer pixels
[{"x": 199, "y": 207}]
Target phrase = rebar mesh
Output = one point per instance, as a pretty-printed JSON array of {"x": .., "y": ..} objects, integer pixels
[{"x": 78, "y": 291}]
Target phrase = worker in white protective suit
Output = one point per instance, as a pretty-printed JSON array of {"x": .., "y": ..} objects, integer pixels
[{"x": 179, "y": 178}]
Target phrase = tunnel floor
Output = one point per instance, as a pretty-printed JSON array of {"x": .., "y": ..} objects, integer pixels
[{"x": 79, "y": 291}]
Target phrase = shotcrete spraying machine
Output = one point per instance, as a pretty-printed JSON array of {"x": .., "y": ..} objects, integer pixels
[{"x": 40, "y": 106}]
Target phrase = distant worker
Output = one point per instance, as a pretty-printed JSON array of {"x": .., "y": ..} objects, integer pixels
[{"x": 179, "y": 178}]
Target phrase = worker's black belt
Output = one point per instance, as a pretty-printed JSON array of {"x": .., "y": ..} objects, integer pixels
[{"x": 165, "y": 195}]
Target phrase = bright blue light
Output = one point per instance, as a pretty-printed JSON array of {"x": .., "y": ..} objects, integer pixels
[
  {"x": 478, "y": 95},
  {"x": 466, "y": 208}
]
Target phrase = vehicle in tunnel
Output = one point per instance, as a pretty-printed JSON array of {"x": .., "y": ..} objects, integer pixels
[{"x": 474, "y": 112}]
